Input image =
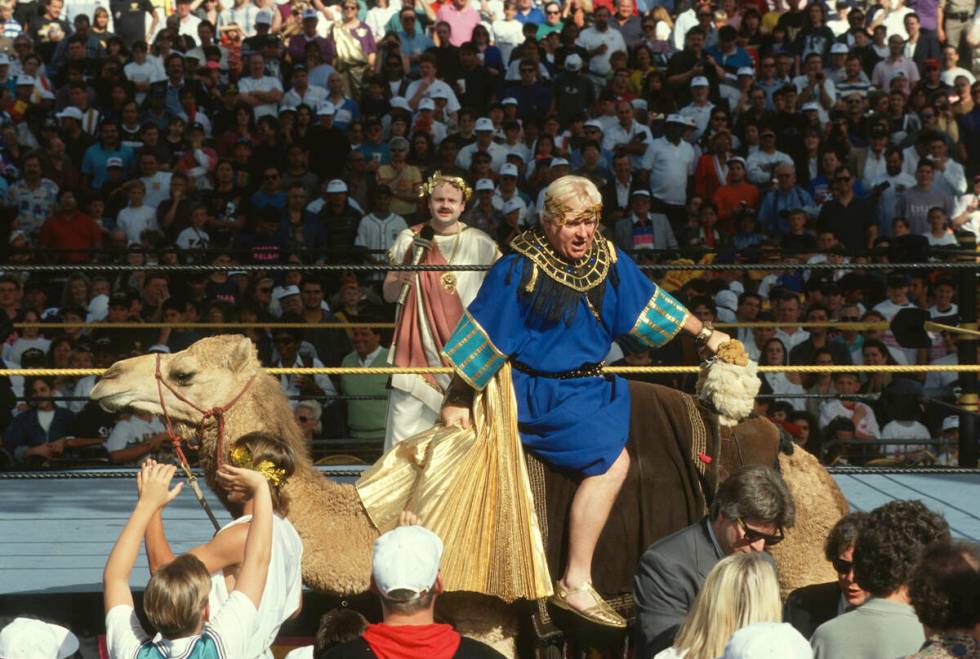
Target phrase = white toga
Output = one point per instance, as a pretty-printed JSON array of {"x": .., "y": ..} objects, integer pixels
[
  {"x": 414, "y": 404},
  {"x": 283, "y": 586}
]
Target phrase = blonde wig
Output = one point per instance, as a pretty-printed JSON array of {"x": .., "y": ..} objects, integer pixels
[{"x": 740, "y": 590}]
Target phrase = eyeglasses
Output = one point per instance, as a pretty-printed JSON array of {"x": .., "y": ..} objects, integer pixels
[
  {"x": 551, "y": 12},
  {"x": 410, "y": 19},
  {"x": 841, "y": 566},
  {"x": 754, "y": 535},
  {"x": 352, "y": 7},
  {"x": 843, "y": 179},
  {"x": 302, "y": 419}
]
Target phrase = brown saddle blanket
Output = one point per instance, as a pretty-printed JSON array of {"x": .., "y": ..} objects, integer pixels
[{"x": 677, "y": 456}]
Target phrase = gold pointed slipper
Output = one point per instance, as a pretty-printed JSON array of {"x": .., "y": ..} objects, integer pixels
[{"x": 600, "y": 614}]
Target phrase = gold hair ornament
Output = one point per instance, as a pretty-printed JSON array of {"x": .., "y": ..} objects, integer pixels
[
  {"x": 438, "y": 178},
  {"x": 562, "y": 214},
  {"x": 241, "y": 456}
]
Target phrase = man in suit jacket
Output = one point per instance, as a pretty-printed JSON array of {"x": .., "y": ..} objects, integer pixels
[
  {"x": 175, "y": 82},
  {"x": 616, "y": 194},
  {"x": 810, "y": 606},
  {"x": 749, "y": 513},
  {"x": 642, "y": 229},
  {"x": 924, "y": 45}
]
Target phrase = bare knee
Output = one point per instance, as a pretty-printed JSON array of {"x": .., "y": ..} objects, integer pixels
[{"x": 620, "y": 468}]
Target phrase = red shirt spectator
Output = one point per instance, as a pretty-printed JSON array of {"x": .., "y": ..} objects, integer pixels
[{"x": 70, "y": 229}]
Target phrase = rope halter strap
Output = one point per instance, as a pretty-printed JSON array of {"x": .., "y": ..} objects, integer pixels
[{"x": 218, "y": 413}]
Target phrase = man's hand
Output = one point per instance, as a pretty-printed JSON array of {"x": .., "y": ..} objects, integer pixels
[
  {"x": 715, "y": 341},
  {"x": 454, "y": 415},
  {"x": 236, "y": 479},
  {"x": 153, "y": 484}
]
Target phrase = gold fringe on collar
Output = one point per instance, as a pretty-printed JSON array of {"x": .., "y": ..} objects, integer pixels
[{"x": 582, "y": 276}]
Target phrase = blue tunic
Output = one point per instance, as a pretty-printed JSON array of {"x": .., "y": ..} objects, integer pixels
[{"x": 578, "y": 424}]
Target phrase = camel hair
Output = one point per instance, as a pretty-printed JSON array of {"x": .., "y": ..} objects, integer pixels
[{"x": 337, "y": 535}]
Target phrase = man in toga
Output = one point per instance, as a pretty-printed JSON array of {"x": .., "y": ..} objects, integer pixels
[
  {"x": 434, "y": 304},
  {"x": 553, "y": 308}
]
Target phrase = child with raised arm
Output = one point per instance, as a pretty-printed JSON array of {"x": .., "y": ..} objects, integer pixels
[
  {"x": 176, "y": 597},
  {"x": 222, "y": 555}
]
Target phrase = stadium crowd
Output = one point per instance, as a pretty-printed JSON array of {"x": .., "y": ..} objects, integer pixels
[{"x": 284, "y": 132}]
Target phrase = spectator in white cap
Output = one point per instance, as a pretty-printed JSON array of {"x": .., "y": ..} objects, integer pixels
[
  {"x": 507, "y": 191},
  {"x": 573, "y": 92},
  {"x": 642, "y": 229},
  {"x": 29, "y": 638},
  {"x": 405, "y": 576},
  {"x": 768, "y": 640},
  {"x": 324, "y": 137},
  {"x": 948, "y": 452},
  {"x": 484, "y": 144},
  {"x": 699, "y": 109},
  {"x": 671, "y": 160}
]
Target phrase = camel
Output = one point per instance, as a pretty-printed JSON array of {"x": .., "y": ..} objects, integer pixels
[{"x": 336, "y": 532}]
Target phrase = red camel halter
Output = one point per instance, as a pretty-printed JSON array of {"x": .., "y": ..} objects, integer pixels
[{"x": 218, "y": 413}]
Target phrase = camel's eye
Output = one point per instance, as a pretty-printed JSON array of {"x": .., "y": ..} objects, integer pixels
[{"x": 182, "y": 377}]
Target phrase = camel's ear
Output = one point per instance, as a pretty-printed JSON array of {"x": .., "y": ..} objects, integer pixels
[{"x": 241, "y": 353}]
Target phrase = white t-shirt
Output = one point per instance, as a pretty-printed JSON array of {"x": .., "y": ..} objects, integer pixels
[
  {"x": 229, "y": 626},
  {"x": 670, "y": 166},
  {"x": 249, "y": 84},
  {"x": 157, "y": 189},
  {"x": 132, "y": 431},
  {"x": 904, "y": 430},
  {"x": 283, "y": 587},
  {"x": 148, "y": 71},
  {"x": 831, "y": 409},
  {"x": 191, "y": 238},
  {"x": 12, "y": 352},
  {"x": 591, "y": 38},
  {"x": 134, "y": 221}
]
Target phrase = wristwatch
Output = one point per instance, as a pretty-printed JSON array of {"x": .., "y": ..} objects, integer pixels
[{"x": 706, "y": 331}]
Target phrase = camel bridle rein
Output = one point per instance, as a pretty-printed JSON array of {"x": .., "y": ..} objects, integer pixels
[{"x": 217, "y": 413}]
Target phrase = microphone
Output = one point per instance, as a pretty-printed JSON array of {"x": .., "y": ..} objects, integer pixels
[{"x": 421, "y": 244}]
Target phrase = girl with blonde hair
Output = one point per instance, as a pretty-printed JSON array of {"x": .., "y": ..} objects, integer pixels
[{"x": 740, "y": 590}]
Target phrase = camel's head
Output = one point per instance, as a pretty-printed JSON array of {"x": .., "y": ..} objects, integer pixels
[
  {"x": 209, "y": 374},
  {"x": 729, "y": 382}
]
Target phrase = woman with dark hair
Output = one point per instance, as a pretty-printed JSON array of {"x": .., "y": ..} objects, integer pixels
[
  {"x": 100, "y": 26},
  {"x": 489, "y": 54},
  {"x": 815, "y": 37},
  {"x": 660, "y": 99},
  {"x": 945, "y": 593},
  {"x": 422, "y": 153},
  {"x": 807, "y": 159},
  {"x": 774, "y": 354},
  {"x": 875, "y": 353},
  {"x": 641, "y": 65},
  {"x": 244, "y": 130},
  {"x": 810, "y": 606}
]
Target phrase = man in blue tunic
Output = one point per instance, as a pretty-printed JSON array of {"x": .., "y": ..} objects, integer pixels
[{"x": 553, "y": 308}]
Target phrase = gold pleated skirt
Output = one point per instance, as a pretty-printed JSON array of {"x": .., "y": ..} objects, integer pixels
[{"x": 471, "y": 488}]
